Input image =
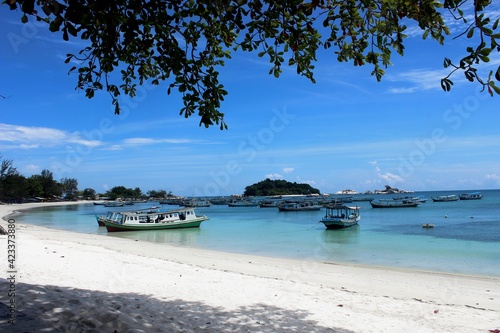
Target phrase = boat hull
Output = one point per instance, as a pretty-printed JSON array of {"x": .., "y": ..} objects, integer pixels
[
  {"x": 335, "y": 225},
  {"x": 100, "y": 221},
  {"x": 301, "y": 209},
  {"x": 115, "y": 227},
  {"x": 394, "y": 205},
  {"x": 340, "y": 217},
  {"x": 446, "y": 198},
  {"x": 242, "y": 204}
]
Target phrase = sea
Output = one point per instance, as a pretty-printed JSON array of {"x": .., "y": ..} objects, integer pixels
[{"x": 465, "y": 238}]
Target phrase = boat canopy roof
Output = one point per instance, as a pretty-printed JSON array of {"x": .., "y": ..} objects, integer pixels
[
  {"x": 179, "y": 210},
  {"x": 342, "y": 207}
]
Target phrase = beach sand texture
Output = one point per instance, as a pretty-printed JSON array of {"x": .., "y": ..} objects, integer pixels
[{"x": 71, "y": 282}]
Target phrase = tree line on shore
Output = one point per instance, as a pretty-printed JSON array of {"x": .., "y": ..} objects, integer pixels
[{"x": 16, "y": 188}]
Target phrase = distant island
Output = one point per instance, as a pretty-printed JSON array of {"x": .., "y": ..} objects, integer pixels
[
  {"x": 390, "y": 190},
  {"x": 270, "y": 187}
]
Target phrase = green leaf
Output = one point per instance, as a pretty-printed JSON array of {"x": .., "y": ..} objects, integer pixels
[
  {"x": 446, "y": 84},
  {"x": 470, "y": 33},
  {"x": 24, "y": 19},
  {"x": 497, "y": 89},
  {"x": 485, "y": 51}
]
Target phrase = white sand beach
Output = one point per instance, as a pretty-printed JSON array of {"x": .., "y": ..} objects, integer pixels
[{"x": 71, "y": 282}]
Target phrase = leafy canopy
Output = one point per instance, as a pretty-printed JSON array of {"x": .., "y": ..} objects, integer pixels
[{"x": 185, "y": 42}]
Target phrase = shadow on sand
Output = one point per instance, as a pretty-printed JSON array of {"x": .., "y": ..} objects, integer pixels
[{"x": 60, "y": 309}]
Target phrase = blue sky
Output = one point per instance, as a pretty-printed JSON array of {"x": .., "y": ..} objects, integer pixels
[{"x": 345, "y": 131}]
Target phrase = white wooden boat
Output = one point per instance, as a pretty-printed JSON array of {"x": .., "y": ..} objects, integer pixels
[
  {"x": 171, "y": 219},
  {"x": 340, "y": 216},
  {"x": 112, "y": 215}
]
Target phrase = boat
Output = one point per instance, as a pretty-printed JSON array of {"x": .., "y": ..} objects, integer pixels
[
  {"x": 363, "y": 198},
  {"x": 242, "y": 203},
  {"x": 405, "y": 203},
  {"x": 445, "y": 198},
  {"x": 471, "y": 196},
  {"x": 171, "y": 219},
  {"x": 268, "y": 204},
  {"x": 420, "y": 199},
  {"x": 340, "y": 216},
  {"x": 298, "y": 206},
  {"x": 112, "y": 215},
  {"x": 114, "y": 204},
  {"x": 100, "y": 218},
  {"x": 195, "y": 203},
  {"x": 219, "y": 201},
  {"x": 337, "y": 201}
]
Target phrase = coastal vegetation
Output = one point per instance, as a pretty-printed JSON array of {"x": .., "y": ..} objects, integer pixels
[
  {"x": 15, "y": 187},
  {"x": 270, "y": 187},
  {"x": 185, "y": 43}
]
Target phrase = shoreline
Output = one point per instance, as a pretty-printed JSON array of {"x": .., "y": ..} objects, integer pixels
[
  {"x": 25, "y": 207},
  {"x": 334, "y": 297}
]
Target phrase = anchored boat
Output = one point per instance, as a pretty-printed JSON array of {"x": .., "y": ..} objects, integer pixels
[
  {"x": 445, "y": 198},
  {"x": 340, "y": 216},
  {"x": 471, "y": 196},
  {"x": 395, "y": 203},
  {"x": 298, "y": 206},
  {"x": 171, "y": 219}
]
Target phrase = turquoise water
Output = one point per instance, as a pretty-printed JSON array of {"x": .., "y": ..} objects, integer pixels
[{"x": 465, "y": 239}]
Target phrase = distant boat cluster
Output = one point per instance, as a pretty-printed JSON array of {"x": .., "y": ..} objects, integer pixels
[
  {"x": 118, "y": 203},
  {"x": 455, "y": 197},
  {"x": 338, "y": 214}
]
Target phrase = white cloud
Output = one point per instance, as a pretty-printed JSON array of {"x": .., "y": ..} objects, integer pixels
[
  {"x": 26, "y": 137},
  {"x": 151, "y": 141},
  {"x": 390, "y": 177},
  {"x": 417, "y": 80},
  {"x": 288, "y": 170},
  {"x": 114, "y": 148},
  {"x": 308, "y": 181},
  {"x": 493, "y": 177},
  {"x": 274, "y": 176},
  {"x": 32, "y": 169}
]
